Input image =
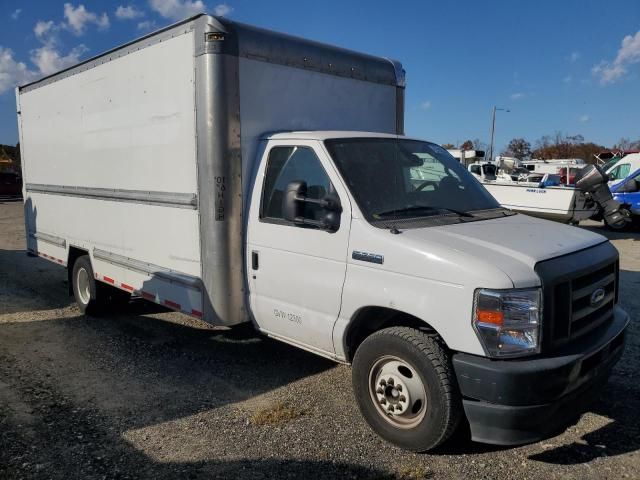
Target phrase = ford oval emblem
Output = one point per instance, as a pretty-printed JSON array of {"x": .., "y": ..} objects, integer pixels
[{"x": 597, "y": 296}]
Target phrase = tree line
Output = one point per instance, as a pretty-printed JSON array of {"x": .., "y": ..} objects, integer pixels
[{"x": 558, "y": 145}]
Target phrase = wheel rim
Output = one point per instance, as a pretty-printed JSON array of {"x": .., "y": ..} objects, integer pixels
[
  {"x": 83, "y": 283},
  {"x": 398, "y": 392}
]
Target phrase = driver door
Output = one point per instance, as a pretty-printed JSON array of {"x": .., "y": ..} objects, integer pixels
[{"x": 296, "y": 273}]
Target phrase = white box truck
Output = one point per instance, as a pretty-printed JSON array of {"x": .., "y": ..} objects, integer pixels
[{"x": 240, "y": 175}]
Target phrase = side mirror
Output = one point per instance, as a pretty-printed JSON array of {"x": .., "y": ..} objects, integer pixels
[
  {"x": 292, "y": 203},
  {"x": 630, "y": 187},
  {"x": 294, "y": 199}
]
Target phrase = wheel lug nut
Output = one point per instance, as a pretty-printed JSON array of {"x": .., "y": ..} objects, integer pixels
[
  {"x": 391, "y": 382},
  {"x": 383, "y": 401},
  {"x": 390, "y": 408},
  {"x": 382, "y": 383},
  {"x": 398, "y": 407},
  {"x": 399, "y": 388},
  {"x": 402, "y": 399}
]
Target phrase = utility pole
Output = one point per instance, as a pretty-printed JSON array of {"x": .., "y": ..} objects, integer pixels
[{"x": 493, "y": 129}]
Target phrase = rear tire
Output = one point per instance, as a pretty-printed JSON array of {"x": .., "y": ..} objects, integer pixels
[
  {"x": 89, "y": 294},
  {"x": 406, "y": 389}
]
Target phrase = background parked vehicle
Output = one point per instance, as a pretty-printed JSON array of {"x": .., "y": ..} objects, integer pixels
[
  {"x": 10, "y": 184},
  {"x": 627, "y": 192},
  {"x": 623, "y": 168}
]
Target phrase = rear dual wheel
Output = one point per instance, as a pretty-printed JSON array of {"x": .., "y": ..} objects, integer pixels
[
  {"x": 405, "y": 387},
  {"x": 94, "y": 298}
]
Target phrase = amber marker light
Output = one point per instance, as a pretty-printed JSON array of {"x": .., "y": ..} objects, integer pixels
[{"x": 490, "y": 316}]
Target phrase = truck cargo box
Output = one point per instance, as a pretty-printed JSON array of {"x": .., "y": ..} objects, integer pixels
[{"x": 142, "y": 156}]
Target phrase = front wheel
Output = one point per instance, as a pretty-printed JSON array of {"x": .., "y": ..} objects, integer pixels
[{"x": 406, "y": 389}]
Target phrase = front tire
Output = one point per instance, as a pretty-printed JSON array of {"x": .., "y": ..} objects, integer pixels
[{"x": 406, "y": 389}]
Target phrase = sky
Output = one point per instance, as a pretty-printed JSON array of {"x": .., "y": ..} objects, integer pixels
[{"x": 571, "y": 66}]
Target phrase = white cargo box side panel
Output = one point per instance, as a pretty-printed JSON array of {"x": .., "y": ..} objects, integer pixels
[
  {"x": 279, "y": 98},
  {"x": 126, "y": 124},
  {"x": 97, "y": 142},
  {"x": 157, "y": 235}
]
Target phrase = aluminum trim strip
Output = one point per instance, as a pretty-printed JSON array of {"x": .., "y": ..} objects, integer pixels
[
  {"x": 168, "y": 199},
  {"x": 148, "y": 268},
  {"x": 52, "y": 239}
]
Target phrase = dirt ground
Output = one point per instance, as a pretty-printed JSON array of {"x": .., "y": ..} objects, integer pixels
[{"x": 153, "y": 394}]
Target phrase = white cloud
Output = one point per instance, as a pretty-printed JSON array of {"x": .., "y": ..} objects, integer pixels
[
  {"x": 608, "y": 73},
  {"x": 12, "y": 72},
  {"x": 574, "y": 57},
  {"x": 42, "y": 29},
  {"x": 517, "y": 96},
  {"x": 49, "y": 60},
  {"x": 128, "y": 13},
  {"x": 147, "y": 25},
  {"x": 628, "y": 54},
  {"x": 78, "y": 18},
  {"x": 426, "y": 105},
  {"x": 567, "y": 79},
  {"x": 222, "y": 10},
  {"x": 177, "y": 9},
  {"x": 16, "y": 14},
  {"x": 584, "y": 118}
]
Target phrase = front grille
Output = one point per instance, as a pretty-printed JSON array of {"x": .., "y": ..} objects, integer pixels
[
  {"x": 573, "y": 313},
  {"x": 568, "y": 284}
]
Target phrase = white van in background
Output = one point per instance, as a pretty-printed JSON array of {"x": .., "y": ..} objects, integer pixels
[{"x": 623, "y": 168}]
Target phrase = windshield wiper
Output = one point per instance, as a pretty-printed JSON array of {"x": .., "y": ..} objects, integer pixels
[{"x": 423, "y": 208}]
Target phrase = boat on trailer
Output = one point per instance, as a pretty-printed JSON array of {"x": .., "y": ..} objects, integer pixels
[
  {"x": 547, "y": 197},
  {"x": 553, "y": 202}
]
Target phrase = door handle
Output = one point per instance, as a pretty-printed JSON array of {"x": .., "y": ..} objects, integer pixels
[{"x": 254, "y": 260}]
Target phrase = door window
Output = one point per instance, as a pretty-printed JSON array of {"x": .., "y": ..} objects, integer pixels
[
  {"x": 620, "y": 172},
  {"x": 288, "y": 164}
]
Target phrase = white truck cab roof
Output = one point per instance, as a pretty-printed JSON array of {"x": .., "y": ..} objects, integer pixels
[{"x": 322, "y": 135}]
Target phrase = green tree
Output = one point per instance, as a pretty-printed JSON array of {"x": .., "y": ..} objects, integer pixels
[
  {"x": 560, "y": 145},
  {"x": 518, "y": 148},
  {"x": 467, "y": 145}
]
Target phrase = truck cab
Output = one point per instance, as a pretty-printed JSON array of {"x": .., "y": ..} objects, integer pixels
[
  {"x": 483, "y": 170},
  {"x": 353, "y": 255}
]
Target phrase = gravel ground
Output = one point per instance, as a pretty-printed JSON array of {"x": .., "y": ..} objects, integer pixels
[{"x": 147, "y": 393}]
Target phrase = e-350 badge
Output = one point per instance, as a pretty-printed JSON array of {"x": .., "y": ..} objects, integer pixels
[{"x": 367, "y": 257}]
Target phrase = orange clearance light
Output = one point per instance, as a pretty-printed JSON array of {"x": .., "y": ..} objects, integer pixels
[{"x": 490, "y": 316}]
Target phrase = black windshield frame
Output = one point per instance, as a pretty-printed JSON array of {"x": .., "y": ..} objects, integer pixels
[{"x": 393, "y": 156}]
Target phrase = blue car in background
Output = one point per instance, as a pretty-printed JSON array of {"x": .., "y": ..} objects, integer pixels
[{"x": 627, "y": 192}]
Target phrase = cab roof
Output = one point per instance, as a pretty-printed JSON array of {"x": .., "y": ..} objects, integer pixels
[{"x": 329, "y": 134}]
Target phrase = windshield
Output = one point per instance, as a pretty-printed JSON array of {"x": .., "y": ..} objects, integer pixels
[
  {"x": 398, "y": 178},
  {"x": 489, "y": 169},
  {"x": 610, "y": 163}
]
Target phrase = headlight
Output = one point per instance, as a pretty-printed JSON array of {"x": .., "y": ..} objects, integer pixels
[{"x": 507, "y": 322}]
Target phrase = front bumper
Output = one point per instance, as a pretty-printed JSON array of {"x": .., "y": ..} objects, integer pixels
[{"x": 513, "y": 402}]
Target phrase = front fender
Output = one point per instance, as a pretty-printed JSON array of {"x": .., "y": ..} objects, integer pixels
[{"x": 445, "y": 307}]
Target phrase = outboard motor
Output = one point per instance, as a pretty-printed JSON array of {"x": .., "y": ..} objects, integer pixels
[{"x": 592, "y": 181}]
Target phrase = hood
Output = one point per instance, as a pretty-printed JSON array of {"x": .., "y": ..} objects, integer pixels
[{"x": 512, "y": 244}]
